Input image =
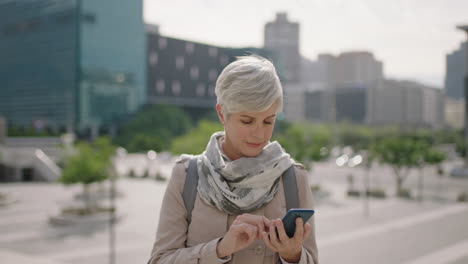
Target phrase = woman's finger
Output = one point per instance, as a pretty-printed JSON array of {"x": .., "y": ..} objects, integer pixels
[
  {"x": 267, "y": 241},
  {"x": 281, "y": 232},
  {"x": 307, "y": 228},
  {"x": 252, "y": 233},
  {"x": 299, "y": 234},
  {"x": 253, "y": 220},
  {"x": 273, "y": 237}
]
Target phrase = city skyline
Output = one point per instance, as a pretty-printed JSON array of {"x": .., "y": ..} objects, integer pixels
[{"x": 393, "y": 31}]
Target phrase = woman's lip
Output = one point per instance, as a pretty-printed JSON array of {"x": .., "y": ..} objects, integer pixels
[{"x": 254, "y": 145}]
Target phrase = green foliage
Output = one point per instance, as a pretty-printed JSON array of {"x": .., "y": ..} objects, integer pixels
[
  {"x": 358, "y": 137},
  {"x": 305, "y": 142},
  {"x": 433, "y": 157},
  {"x": 194, "y": 142},
  {"x": 153, "y": 128},
  {"x": 400, "y": 152},
  {"x": 460, "y": 146},
  {"x": 31, "y": 132},
  {"x": 90, "y": 164},
  {"x": 405, "y": 152}
]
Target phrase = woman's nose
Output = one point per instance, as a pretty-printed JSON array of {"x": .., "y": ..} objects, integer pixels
[{"x": 258, "y": 131}]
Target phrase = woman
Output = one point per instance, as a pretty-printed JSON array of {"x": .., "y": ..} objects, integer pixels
[{"x": 240, "y": 198}]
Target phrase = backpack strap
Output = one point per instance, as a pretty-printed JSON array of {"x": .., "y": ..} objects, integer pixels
[
  {"x": 190, "y": 187},
  {"x": 191, "y": 183},
  {"x": 290, "y": 188}
]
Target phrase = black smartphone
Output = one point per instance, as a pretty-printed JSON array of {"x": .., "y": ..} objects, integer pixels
[{"x": 289, "y": 220}]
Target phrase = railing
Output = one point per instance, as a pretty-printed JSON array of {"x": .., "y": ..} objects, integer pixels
[{"x": 45, "y": 166}]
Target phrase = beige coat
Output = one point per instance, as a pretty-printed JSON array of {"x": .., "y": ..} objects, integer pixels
[{"x": 177, "y": 244}]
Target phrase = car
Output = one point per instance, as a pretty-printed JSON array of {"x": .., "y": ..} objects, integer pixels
[{"x": 459, "y": 172}]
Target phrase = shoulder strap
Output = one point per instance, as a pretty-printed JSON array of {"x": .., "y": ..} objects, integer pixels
[
  {"x": 190, "y": 187},
  {"x": 290, "y": 188}
]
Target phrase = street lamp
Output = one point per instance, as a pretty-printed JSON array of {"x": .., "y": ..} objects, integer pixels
[{"x": 465, "y": 28}]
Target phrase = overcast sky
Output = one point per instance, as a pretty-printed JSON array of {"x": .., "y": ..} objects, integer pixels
[{"x": 411, "y": 37}]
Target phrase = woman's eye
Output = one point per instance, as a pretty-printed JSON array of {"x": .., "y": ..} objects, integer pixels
[
  {"x": 246, "y": 122},
  {"x": 268, "y": 123}
]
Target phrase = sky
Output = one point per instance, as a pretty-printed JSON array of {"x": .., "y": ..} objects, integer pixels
[{"x": 411, "y": 37}]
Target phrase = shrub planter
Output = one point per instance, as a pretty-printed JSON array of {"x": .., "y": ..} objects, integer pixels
[
  {"x": 377, "y": 193},
  {"x": 5, "y": 200},
  {"x": 353, "y": 193},
  {"x": 462, "y": 197},
  {"x": 83, "y": 216},
  {"x": 404, "y": 193},
  {"x": 99, "y": 194}
]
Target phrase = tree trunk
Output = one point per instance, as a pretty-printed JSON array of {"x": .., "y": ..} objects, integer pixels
[
  {"x": 399, "y": 181},
  {"x": 89, "y": 205}
]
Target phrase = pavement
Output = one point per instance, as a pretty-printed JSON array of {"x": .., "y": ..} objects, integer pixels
[{"x": 394, "y": 231}]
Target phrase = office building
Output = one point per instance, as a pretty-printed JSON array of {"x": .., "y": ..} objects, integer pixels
[
  {"x": 71, "y": 64},
  {"x": 454, "y": 72},
  {"x": 184, "y": 73},
  {"x": 282, "y": 38}
]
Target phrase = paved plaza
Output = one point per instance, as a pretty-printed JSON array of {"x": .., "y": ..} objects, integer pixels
[{"x": 396, "y": 231}]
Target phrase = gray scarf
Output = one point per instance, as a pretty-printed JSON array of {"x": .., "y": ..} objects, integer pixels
[{"x": 242, "y": 185}]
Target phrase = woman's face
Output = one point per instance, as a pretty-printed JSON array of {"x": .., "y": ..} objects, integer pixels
[{"x": 247, "y": 133}]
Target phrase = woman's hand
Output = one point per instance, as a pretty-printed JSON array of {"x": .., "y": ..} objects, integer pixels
[
  {"x": 243, "y": 232},
  {"x": 288, "y": 248}
]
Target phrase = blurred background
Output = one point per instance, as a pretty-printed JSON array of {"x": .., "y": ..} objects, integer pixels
[{"x": 99, "y": 98}]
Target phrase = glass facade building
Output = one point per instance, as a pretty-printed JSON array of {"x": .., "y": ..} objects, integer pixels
[{"x": 71, "y": 64}]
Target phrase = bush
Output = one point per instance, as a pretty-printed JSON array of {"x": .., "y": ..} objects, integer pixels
[
  {"x": 353, "y": 193},
  {"x": 195, "y": 141},
  {"x": 377, "y": 193},
  {"x": 404, "y": 193},
  {"x": 159, "y": 177},
  {"x": 315, "y": 188},
  {"x": 462, "y": 197}
]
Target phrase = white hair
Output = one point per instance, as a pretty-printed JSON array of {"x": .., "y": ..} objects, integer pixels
[{"x": 249, "y": 84}]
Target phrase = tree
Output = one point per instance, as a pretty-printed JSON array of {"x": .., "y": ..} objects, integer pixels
[
  {"x": 89, "y": 165},
  {"x": 305, "y": 142},
  {"x": 402, "y": 154},
  {"x": 195, "y": 141},
  {"x": 153, "y": 127},
  {"x": 434, "y": 158}
]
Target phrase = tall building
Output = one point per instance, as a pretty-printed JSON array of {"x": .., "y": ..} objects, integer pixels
[
  {"x": 455, "y": 112},
  {"x": 282, "y": 38},
  {"x": 184, "y": 73},
  {"x": 454, "y": 72},
  {"x": 357, "y": 68},
  {"x": 3, "y": 130},
  {"x": 406, "y": 103},
  {"x": 71, "y": 64},
  {"x": 349, "y": 69}
]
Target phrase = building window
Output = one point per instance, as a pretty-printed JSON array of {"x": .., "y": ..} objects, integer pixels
[
  {"x": 89, "y": 18},
  {"x": 200, "y": 91},
  {"x": 212, "y": 74},
  {"x": 160, "y": 86},
  {"x": 162, "y": 43},
  {"x": 213, "y": 51},
  {"x": 65, "y": 18},
  {"x": 211, "y": 90},
  {"x": 194, "y": 73},
  {"x": 189, "y": 47},
  {"x": 153, "y": 58},
  {"x": 176, "y": 87},
  {"x": 179, "y": 62},
  {"x": 224, "y": 60}
]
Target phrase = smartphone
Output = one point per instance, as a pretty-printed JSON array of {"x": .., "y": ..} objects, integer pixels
[{"x": 289, "y": 220}]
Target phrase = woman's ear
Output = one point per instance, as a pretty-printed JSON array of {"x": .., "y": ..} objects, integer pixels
[{"x": 220, "y": 113}]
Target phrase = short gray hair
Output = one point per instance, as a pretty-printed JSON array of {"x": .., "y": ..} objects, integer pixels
[{"x": 250, "y": 84}]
